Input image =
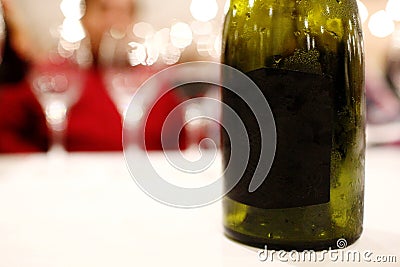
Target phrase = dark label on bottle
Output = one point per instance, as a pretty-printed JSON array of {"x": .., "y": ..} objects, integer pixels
[{"x": 302, "y": 105}]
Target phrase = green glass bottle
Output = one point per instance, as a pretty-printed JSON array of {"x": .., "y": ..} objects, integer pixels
[{"x": 306, "y": 56}]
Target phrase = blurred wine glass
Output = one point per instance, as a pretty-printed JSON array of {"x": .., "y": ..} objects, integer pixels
[
  {"x": 123, "y": 73},
  {"x": 122, "y": 82},
  {"x": 57, "y": 82},
  {"x": 122, "y": 68},
  {"x": 202, "y": 114}
]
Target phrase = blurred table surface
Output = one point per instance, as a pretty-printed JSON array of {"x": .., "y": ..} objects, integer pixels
[{"x": 87, "y": 211}]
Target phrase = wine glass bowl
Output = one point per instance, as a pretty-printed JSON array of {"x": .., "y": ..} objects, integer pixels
[
  {"x": 56, "y": 83},
  {"x": 122, "y": 83}
]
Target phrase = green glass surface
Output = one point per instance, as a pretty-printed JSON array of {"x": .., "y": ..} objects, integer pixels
[{"x": 312, "y": 36}]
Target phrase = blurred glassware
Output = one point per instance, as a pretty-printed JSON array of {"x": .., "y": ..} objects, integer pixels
[
  {"x": 57, "y": 83},
  {"x": 122, "y": 83},
  {"x": 201, "y": 108},
  {"x": 124, "y": 70},
  {"x": 121, "y": 77}
]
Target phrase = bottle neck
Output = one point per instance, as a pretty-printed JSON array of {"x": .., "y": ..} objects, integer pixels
[{"x": 286, "y": 33}]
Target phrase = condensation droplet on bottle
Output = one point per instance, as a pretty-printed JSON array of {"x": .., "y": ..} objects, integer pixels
[
  {"x": 234, "y": 11},
  {"x": 248, "y": 15},
  {"x": 322, "y": 234},
  {"x": 270, "y": 235},
  {"x": 334, "y": 34},
  {"x": 297, "y": 33},
  {"x": 336, "y": 184},
  {"x": 337, "y": 214}
]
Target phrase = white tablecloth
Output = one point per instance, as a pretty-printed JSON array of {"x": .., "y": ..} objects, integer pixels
[{"x": 88, "y": 211}]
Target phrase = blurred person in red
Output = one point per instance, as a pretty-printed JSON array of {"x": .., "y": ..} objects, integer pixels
[{"x": 94, "y": 123}]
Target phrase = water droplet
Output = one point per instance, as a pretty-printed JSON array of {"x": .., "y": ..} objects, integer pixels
[
  {"x": 270, "y": 235},
  {"x": 334, "y": 34},
  {"x": 337, "y": 214},
  {"x": 322, "y": 234},
  {"x": 248, "y": 15},
  {"x": 297, "y": 33}
]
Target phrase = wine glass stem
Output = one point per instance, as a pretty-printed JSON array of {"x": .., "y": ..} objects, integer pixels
[
  {"x": 56, "y": 116},
  {"x": 57, "y": 141}
]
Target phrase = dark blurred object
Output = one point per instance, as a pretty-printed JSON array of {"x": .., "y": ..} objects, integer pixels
[
  {"x": 383, "y": 86},
  {"x": 14, "y": 46},
  {"x": 383, "y": 106},
  {"x": 383, "y": 98},
  {"x": 393, "y": 63},
  {"x": 13, "y": 67},
  {"x": 22, "y": 124}
]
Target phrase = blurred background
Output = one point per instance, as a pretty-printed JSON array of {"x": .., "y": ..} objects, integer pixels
[
  {"x": 196, "y": 24},
  {"x": 186, "y": 29},
  {"x": 163, "y": 33}
]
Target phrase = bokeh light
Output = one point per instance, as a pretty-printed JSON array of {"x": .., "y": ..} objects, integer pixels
[
  {"x": 161, "y": 37},
  {"x": 72, "y": 30},
  {"x": 363, "y": 11},
  {"x": 226, "y": 7},
  {"x": 170, "y": 54},
  {"x": 217, "y": 47},
  {"x": 393, "y": 9},
  {"x": 181, "y": 35},
  {"x": 137, "y": 54},
  {"x": 143, "y": 30},
  {"x": 152, "y": 50},
  {"x": 380, "y": 24},
  {"x": 204, "y": 10},
  {"x": 71, "y": 9},
  {"x": 66, "y": 49},
  {"x": 117, "y": 33},
  {"x": 203, "y": 44}
]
